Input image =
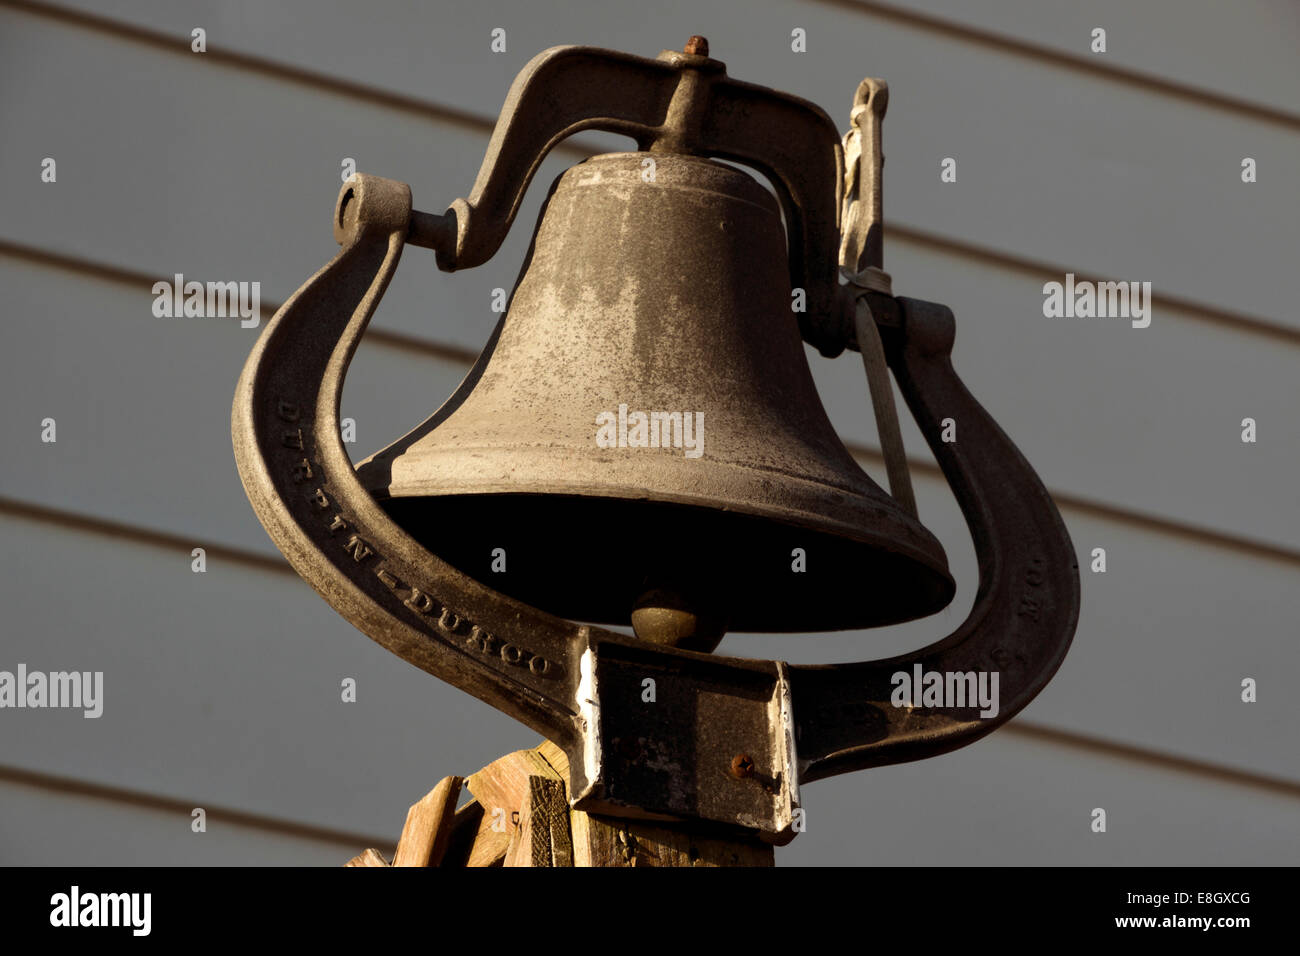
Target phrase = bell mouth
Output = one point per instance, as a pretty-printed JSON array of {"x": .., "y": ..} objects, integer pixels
[{"x": 592, "y": 559}]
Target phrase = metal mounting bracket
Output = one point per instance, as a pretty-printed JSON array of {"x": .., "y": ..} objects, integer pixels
[{"x": 582, "y": 686}]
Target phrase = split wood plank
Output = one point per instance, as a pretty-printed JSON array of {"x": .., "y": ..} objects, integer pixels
[
  {"x": 428, "y": 826},
  {"x": 466, "y": 846},
  {"x": 501, "y": 789},
  {"x": 371, "y": 857},
  {"x": 542, "y": 838}
]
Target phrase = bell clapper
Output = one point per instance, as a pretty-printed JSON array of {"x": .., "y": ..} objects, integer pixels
[{"x": 672, "y": 616}]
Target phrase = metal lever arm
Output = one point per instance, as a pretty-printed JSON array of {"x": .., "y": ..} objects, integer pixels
[
  {"x": 298, "y": 477},
  {"x": 1026, "y": 606}
]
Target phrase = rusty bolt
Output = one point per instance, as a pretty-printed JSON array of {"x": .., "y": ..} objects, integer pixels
[
  {"x": 696, "y": 46},
  {"x": 742, "y": 766}
]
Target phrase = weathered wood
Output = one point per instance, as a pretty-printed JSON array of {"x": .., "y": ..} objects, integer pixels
[
  {"x": 542, "y": 838},
  {"x": 556, "y": 758},
  {"x": 464, "y": 833},
  {"x": 428, "y": 826},
  {"x": 501, "y": 789},
  {"x": 554, "y": 802},
  {"x": 503, "y": 784},
  {"x": 514, "y": 846},
  {"x": 524, "y": 849},
  {"x": 371, "y": 857},
  {"x": 491, "y": 840},
  {"x": 520, "y": 816},
  {"x": 477, "y": 839},
  {"x": 609, "y": 841}
]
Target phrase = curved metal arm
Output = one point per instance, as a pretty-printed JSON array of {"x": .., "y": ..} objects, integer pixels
[
  {"x": 298, "y": 477},
  {"x": 1026, "y": 606}
]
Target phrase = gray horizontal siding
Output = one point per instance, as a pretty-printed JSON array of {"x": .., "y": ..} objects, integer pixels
[
  {"x": 1177, "y": 45},
  {"x": 225, "y": 687},
  {"x": 142, "y": 405},
  {"x": 1008, "y": 801},
  {"x": 1100, "y": 173},
  {"x": 1170, "y": 45},
  {"x": 41, "y": 825}
]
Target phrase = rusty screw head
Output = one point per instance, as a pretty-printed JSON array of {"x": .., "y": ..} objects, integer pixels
[
  {"x": 697, "y": 46},
  {"x": 742, "y": 766}
]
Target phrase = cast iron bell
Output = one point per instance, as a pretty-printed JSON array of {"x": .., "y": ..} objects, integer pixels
[
  {"x": 664, "y": 295},
  {"x": 642, "y": 437}
]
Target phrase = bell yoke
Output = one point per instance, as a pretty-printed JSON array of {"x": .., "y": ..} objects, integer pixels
[{"x": 663, "y": 284}]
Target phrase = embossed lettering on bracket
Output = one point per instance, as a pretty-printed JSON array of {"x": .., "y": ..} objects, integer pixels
[
  {"x": 413, "y": 598},
  {"x": 1030, "y": 605},
  {"x": 455, "y": 625}
]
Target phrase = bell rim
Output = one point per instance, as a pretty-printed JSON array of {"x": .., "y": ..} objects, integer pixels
[
  {"x": 906, "y": 536},
  {"x": 860, "y": 603}
]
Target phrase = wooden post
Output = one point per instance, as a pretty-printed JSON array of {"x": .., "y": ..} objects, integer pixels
[{"x": 520, "y": 816}]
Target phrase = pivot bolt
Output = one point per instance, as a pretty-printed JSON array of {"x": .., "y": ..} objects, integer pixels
[{"x": 696, "y": 46}]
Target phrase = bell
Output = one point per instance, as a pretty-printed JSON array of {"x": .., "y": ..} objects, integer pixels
[
  {"x": 641, "y": 443},
  {"x": 641, "y": 440}
]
